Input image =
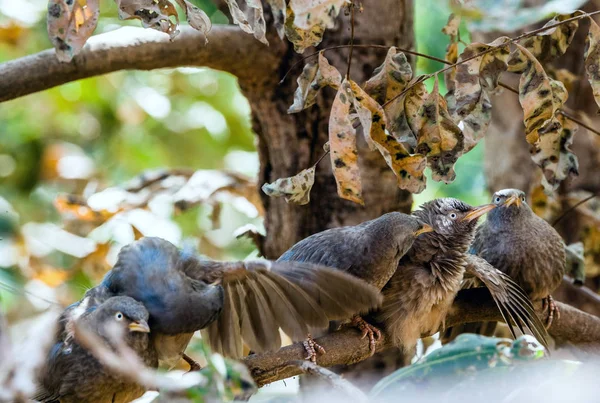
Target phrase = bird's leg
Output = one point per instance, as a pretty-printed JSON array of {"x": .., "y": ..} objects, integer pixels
[
  {"x": 548, "y": 303},
  {"x": 367, "y": 330},
  {"x": 194, "y": 366},
  {"x": 312, "y": 347}
]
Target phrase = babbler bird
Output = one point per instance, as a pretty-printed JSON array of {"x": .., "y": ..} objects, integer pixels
[
  {"x": 422, "y": 289},
  {"x": 522, "y": 245},
  {"x": 73, "y": 374},
  {"x": 369, "y": 251},
  {"x": 232, "y": 301}
]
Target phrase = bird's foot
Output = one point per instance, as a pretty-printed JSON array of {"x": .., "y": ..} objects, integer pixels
[
  {"x": 194, "y": 366},
  {"x": 312, "y": 348},
  {"x": 548, "y": 303},
  {"x": 367, "y": 330}
]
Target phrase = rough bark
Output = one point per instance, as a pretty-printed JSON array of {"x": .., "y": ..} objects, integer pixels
[{"x": 474, "y": 305}]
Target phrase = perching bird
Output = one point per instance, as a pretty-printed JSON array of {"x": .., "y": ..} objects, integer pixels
[
  {"x": 421, "y": 291},
  {"x": 522, "y": 245},
  {"x": 72, "y": 374},
  {"x": 232, "y": 301},
  {"x": 370, "y": 251}
]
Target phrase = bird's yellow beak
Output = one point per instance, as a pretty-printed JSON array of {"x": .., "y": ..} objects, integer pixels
[
  {"x": 514, "y": 199},
  {"x": 141, "y": 326},
  {"x": 424, "y": 229},
  {"x": 478, "y": 212}
]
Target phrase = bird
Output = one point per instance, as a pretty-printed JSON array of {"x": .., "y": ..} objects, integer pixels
[
  {"x": 421, "y": 291},
  {"x": 72, "y": 373},
  {"x": 369, "y": 251},
  {"x": 524, "y": 246},
  {"x": 231, "y": 302}
]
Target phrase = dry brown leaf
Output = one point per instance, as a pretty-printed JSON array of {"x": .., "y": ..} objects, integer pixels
[
  {"x": 439, "y": 138},
  {"x": 452, "y": 30},
  {"x": 592, "y": 59},
  {"x": 403, "y": 111},
  {"x": 278, "y": 9},
  {"x": 407, "y": 168},
  {"x": 251, "y": 22},
  {"x": 155, "y": 14},
  {"x": 390, "y": 78},
  {"x": 550, "y": 135},
  {"x": 70, "y": 24},
  {"x": 313, "y": 78},
  {"x": 296, "y": 189},
  {"x": 196, "y": 17},
  {"x": 342, "y": 143},
  {"x": 547, "y": 45}
]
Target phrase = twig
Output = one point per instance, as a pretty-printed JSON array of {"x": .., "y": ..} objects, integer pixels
[
  {"x": 578, "y": 121},
  {"x": 320, "y": 158},
  {"x": 573, "y": 208},
  {"x": 351, "y": 38}
]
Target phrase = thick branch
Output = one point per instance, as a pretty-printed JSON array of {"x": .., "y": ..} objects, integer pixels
[
  {"x": 474, "y": 305},
  {"x": 130, "y": 48}
]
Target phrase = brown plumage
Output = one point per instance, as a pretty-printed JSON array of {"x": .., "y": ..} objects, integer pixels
[{"x": 420, "y": 293}]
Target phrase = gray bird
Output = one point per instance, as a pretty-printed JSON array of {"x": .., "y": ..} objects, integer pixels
[
  {"x": 233, "y": 302},
  {"x": 369, "y": 251},
  {"x": 72, "y": 374},
  {"x": 519, "y": 243},
  {"x": 419, "y": 294}
]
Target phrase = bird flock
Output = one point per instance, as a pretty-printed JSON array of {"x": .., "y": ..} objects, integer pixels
[{"x": 397, "y": 274}]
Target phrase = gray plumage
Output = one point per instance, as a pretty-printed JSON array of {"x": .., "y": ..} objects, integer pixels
[
  {"x": 419, "y": 294},
  {"x": 73, "y": 374}
]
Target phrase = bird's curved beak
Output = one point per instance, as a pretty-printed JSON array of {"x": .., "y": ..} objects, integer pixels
[
  {"x": 514, "y": 199},
  {"x": 424, "y": 229},
  {"x": 478, "y": 212},
  {"x": 141, "y": 326}
]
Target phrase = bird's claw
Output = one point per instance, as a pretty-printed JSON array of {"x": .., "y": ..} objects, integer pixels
[
  {"x": 367, "y": 330},
  {"x": 312, "y": 348},
  {"x": 194, "y": 366},
  {"x": 549, "y": 304}
]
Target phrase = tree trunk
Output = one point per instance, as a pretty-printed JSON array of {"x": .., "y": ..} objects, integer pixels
[{"x": 289, "y": 143}]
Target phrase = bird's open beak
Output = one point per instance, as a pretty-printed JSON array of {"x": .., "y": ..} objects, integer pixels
[
  {"x": 478, "y": 212},
  {"x": 141, "y": 326},
  {"x": 424, "y": 229},
  {"x": 514, "y": 199}
]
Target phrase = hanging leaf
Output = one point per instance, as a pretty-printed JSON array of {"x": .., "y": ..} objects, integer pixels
[
  {"x": 547, "y": 45},
  {"x": 342, "y": 144},
  {"x": 313, "y": 78},
  {"x": 196, "y": 17},
  {"x": 550, "y": 135},
  {"x": 439, "y": 138},
  {"x": 296, "y": 189},
  {"x": 480, "y": 73},
  {"x": 452, "y": 30},
  {"x": 475, "y": 125},
  {"x": 70, "y": 24},
  {"x": 390, "y": 78},
  {"x": 403, "y": 112},
  {"x": 407, "y": 168},
  {"x": 252, "y": 23},
  {"x": 153, "y": 14},
  {"x": 592, "y": 59},
  {"x": 306, "y": 21},
  {"x": 278, "y": 10}
]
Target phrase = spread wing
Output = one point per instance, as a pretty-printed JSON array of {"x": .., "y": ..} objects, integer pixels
[
  {"x": 262, "y": 296},
  {"x": 514, "y": 305}
]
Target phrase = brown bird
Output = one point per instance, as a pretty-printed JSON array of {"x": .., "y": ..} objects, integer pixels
[
  {"x": 369, "y": 251},
  {"x": 519, "y": 243},
  {"x": 421, "y": 291}
]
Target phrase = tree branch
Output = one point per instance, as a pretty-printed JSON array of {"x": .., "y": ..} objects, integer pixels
[
  {"x": 473, "y": 305},
  {"x": 128, "y": 48}
]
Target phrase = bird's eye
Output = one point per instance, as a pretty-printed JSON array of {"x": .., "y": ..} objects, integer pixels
[
  {"x": 497, "y": 200},
  {"x": 119, "y": 316},
  {"x": 453, "y": 216},
  {"x": 523, "y": 199}
]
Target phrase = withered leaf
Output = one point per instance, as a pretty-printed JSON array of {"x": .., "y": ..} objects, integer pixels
[
  {"x": 452, "y": 30},
  {"x": 196, "y": 17},
  {"x": 439, "y": 138},
  {"x": 592, "y": 59},
  {"x": 549, "y": 134},
  {"x": 404, "y": 114},
  {"x": 306, "y": 21},
  {"x": 342, "y": 144},
  {"x": 407, "y": 168},
  {"x": 390, "y": 78},
  {"x": 254, "y": 23},
  {"x": 547, "y": 45},
  {"x": 153, "y": 14},
  {"x": 480, "y": 73},
  {"x": 70, "y": 24},
  {"x": 313, "y": 78},
  {"x": 278, "y": 9},
  {"x": 475, "y": 125},
  {"x": 296, "y": 189}
]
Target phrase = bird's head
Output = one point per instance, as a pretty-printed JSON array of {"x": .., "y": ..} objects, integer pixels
[
  {"x": 510, "y": 203},
  {"x": 125, "y": 312},
  {"x": 451, "y": 217}
]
